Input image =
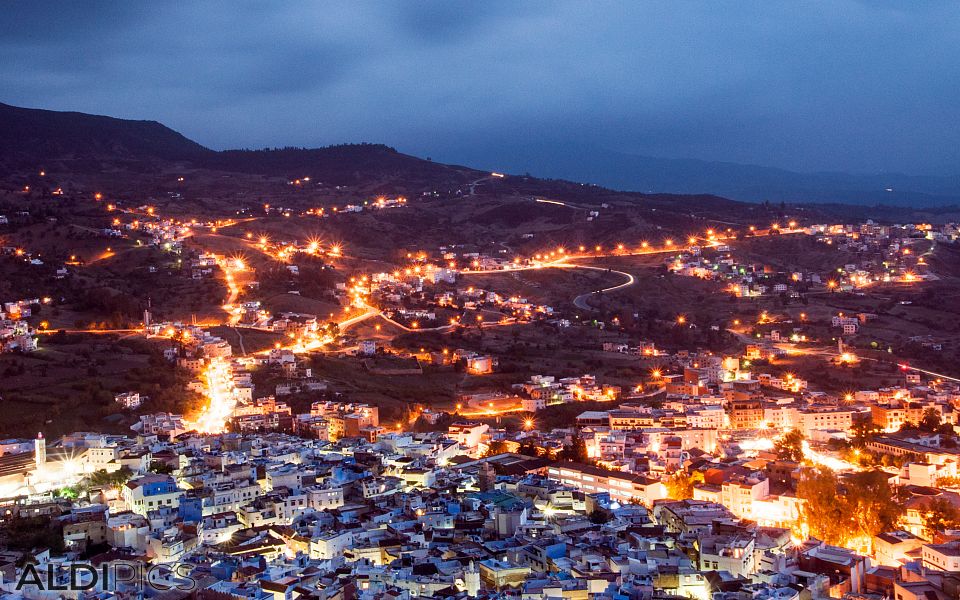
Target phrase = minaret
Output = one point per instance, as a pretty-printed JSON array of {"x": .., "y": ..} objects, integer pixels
[
  {"x": 471, "y": 578},
  {"x": 487, "y": 477},
  {"x": 40, "y": 452},
  {"x": 146, "y": 313}
]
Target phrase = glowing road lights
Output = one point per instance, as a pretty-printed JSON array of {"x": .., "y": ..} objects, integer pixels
[
  {"x": 220, "y": 393},
  {"x": 681, "y": 320}
]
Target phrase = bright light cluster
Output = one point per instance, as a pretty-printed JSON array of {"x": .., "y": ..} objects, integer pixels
[{"x": 221, "y": 398}]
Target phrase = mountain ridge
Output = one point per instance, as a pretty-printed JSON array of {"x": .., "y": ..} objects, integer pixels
[
  {"x": 745, "y": 182},
  {"x": 79, "y": 142}
]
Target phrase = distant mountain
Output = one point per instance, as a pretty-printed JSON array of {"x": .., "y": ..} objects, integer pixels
[
  {"x": 81, "y": 143},
  {"x": 86, "y": 144},
  {"x": 342, "y": 164},
  {"x": 31, "y": 138},
  {"x": 751, "y": 183}
]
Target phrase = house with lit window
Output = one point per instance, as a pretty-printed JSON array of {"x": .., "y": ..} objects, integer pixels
[{"x": 151, "y": 492}]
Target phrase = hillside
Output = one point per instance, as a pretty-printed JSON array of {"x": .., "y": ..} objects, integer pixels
[
  {"x": 137, "y": 158},
  {"x": 31, "y": 138},
  {"x": 83, "y": 144},
  {"x": 344, "y": 164}
]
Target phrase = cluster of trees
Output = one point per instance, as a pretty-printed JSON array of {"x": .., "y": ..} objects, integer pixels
[
  {"x": 941, "y": 515},
  {"x": 496, "y": 447},
  {"x": 576, "y": 450},
  {"x": 529, "y": 448},
  {"x": 97, "y": 479},
  {"x": 120, "y": 307},
  {"x": 858, "y": 507},
  {"x": 680, "y": 484},
  {"x": 29, "y": 533},
  {"x": 161, "y": 468},
  {"x": 790, "y": 446},
  {"x": 930, "y": 422}
]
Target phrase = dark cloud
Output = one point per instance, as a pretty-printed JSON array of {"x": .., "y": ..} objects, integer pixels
[{"x": 843, "y": 85}]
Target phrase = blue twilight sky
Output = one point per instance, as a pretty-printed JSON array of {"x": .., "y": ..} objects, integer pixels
[{"x": 835, "y": 85}]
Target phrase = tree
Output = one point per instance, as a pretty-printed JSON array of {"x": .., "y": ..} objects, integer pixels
[
  {"x": 599, "y": 517},
  {"x": 948, "y": 482},
  {"x": 941, "y": 515},
  {"x": 873, "y": 507},
  {"x": 863, "y": 431},
  {"x": 680, "y": 485},
  {"x": 160, "y": 467},
  {"x": 908, "y": 426},
  {"x": 528, "y": 448},
  {"x": 496, "y": 447},
  {"x": 790, "y": 446},
  {"x": 102, "y": 478},
  {"x": 576, "y": 450},
  {"x": 930, "y": 421},
  {"x": 824, "y": 511}
]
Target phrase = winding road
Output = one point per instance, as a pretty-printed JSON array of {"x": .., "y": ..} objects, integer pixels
[{"x": 581, "y": 300}]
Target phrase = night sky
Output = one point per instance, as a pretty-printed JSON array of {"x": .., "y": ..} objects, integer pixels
[{"x": 836, "y": 85}]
